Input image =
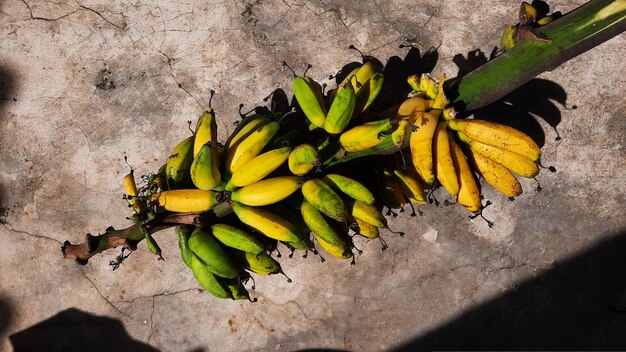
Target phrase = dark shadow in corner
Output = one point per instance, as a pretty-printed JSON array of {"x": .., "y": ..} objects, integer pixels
[
  {"x": 75, "y": 330},
  {"x": 6, "y": 314},
  {"x": 7, "y": 88},
  {"x": 578, "y": 305},
  {"x": 517, "y": 109}
]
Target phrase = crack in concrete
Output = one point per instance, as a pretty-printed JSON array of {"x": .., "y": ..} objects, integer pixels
[
  {"x": 10, "y": 228},
  {"x": 100, "y": 15},
  {"x": 151, "y": 323},
  {"x": 81, "y": 8},
  {"x": 169, "y": 63},
  {"x": 103, "y": 297},
  {"x": 155, "y": 295}
]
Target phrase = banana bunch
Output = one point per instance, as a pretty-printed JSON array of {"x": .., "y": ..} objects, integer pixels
[{"x": 353, "y": 96}]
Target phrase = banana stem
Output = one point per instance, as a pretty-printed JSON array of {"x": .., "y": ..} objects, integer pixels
[{"x": 571, "y": 35}]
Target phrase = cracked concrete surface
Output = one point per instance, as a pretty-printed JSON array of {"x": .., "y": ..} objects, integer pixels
[{"x": 85, "y": 83}]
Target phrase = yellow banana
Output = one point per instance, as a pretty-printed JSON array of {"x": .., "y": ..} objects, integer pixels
[
  {"x": 316, "y": 222},
  {"x": 187, "y": 200},
  {"x": 366, "y": 229},
  {"x": 308, "y": 93},
  {"x": 469, "y": 194},
  {"x": 498, "y": 135},
  {"x": 547, "y": 19},
  {"x": 410, "y": 186},
  {"x": 368, "y": 92},
  {"x": 205, "y": 168},
  {"x": 367, "y": 212},
  {"x": 266, "y": 222},
  {"x": 350, "y": 187},
  {"x": 429, "y": 86},
  {"x": 414, "y": 82},
  {"x": 340, "y": 112},
  {"x": 130, "y": 190},
  {"x": 234, "y": 237},
  {"x": 259, "y": 167},
  {"x": 391, "y": 191},
  {"x": 207, "y": 279},
  {"x": 177, "y": 167},
  {"x": 322, "y": 196},
  {"x": 248, "y": 125},
  {"x": 421, "y": 143},
  {"x": 441, "y": 101},
  {"x": 527, "y": 13},
  {"x": 212, "y": 254},
  {"x": 249, "y": 147},
  {"x": 398, "y": 136},
  {"x": 303, "y": 159},
  {"x": 206, "y": 130},
  {"x": 412, "y": 107},
  {"x": 341, "y": 252},
  {"x": 495, "y": 174},
  {"x": 267, "y": 191},
  {"x": 517, "y": 163},
  {"x": 446, "y": 174},
  {"x": 261, "y": 264},
  {"x": 358, "y": 77},
  {"x": 364, "y": 136}
]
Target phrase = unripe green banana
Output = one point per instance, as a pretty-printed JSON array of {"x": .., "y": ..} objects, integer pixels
[
  {"x": 266, "y": 222},
  {"x": 303, "y": 159},
  {"x": 259, "y": 167},
  {"x": 351, "y": 187},
  {"x": 322, "y": 196},
  {"x": 267, "y": 191},
  {"x": 367, "y": 213},
  {"x": 365, "y": 136},
  {"x": 308, "y": 93},
  {"x": 261, "y": 264},
  {"x": 367, "y": 94},
  {"x": 340, "y": 112},
  {"x": 319, "y": 226},
  {"x": 212, "y": 254},
  {"x": 207, "y": 279},
  {"x": 205, "y": 168},
  {"x": 177, "y": 167},
  {"x": 184, "y": 232},
  {"x": 236, "y": 238},
  {"x": 152, "y": 245},
  {"x": 249, "y": 147},
  {"x": 236, "y": 288},
  {"x": 206, "y": 130}
]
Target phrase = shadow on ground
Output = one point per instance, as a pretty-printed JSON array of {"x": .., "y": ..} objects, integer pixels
[
  {"x": 75, "y": 330},
  {"x": 578, "y": 305}
]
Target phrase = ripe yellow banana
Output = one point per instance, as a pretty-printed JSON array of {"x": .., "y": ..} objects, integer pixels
[
  {"x": 421, "y": 143},
  {"x": 259, "y": 167},
  {"x": 357, "y": 78},
  {"x": 249, "y": 147},
  {"x": 309, "y": 95},
  {"x": 206, "y": 130},
  {"x": 495, "y": 174},
  {"x": 498, "y": 135},
  {"x": 517, "y": 163},
  {"x": 367, "y": 212},
  {"x": 368, "y": 92},
  {"x": 187, "y": 200},
  {"x": 469, "y": 193},
  {"x": 303, "y": 159},
  {"x": 441, "y": 101},
  {"x": 414, "y": 82},
  {"x": 130, "y": 190},
  {"x": 412, "y": 107},
  {"x": 234, "y": 237},
  {"x": 322, "y": 196},
  {"x": 267, "y": 191},
  {"x": 410, "y": 186},
  {"x": 207, "y": 279},
  {"x": 429, "y": 86},
  {"x": 321, "y": 228},
  {"x": 351, "y": 187},
  {"x": 399, "y": 135},
  {"x": 177, "y": 167},
  {"x": 212, "y": 254},
  {"x": 341, "y": 252},
  {"x": 248, "y": 125},
  {"x": 527, "y": 13},
  {"x": 366, "y": 229},
  {"x": 391, "y": 191},
  {"x": 365, "y": 136},
  {"x": 205, "y": 168},
  {"x": 446, "y": 174},
  {"x": 340, "y": 112},
  {"x": 266, "y": 222}
]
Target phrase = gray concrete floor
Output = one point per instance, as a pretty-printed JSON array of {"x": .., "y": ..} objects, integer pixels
[{"x": 549, "y": 274}]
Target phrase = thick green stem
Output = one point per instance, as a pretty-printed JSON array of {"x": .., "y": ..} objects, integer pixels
[{"x": 568, "y": 36}]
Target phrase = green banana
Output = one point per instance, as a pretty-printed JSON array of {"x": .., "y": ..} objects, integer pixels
[
  {"x": 340, "y": 112},
  {"x": 261, "y": 264},
  {"x": 207, "y": 279},
  {"x": 236, "y": 288},
  {"x": 308, "y": 93},
  {"x": 205, "y": 168},
  {"x": 178, "y": 164},
  {"x": 350, "y": 187},
  {"x": 319, "y": 226},
  {"x": 322, "y": 196},
  {"x": 212, "y": 254},
  {"x": 152, "y": 245},
  {"x": 234, "y": 237},
  {"x": 259, "y": 167},
  {"x": 303, "y": 159},
  {"x": 266, "y": 222},
  {"x": 184, "y": 232}
]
